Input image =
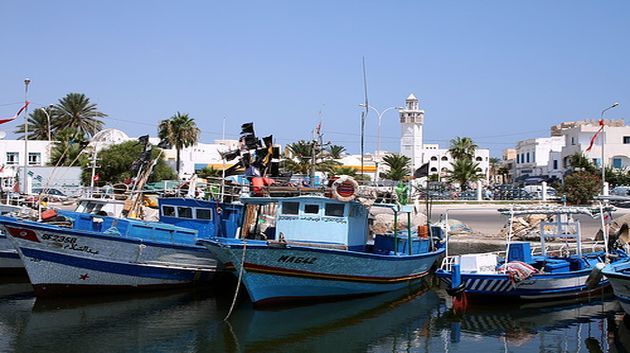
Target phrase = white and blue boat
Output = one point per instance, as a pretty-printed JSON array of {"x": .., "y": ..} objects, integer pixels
[
  {"x": 618, "y": 273},
  {"x": 9, "y": 258},
  {"x": 319, "y": 248},
  {"x": 573, "y": 269},
  {"x": 77, "y": 252}
]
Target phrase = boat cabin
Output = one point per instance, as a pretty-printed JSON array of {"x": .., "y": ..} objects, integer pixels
[
  {"x": 317, "y": 219},
  {"x": 210, "y": 218}
]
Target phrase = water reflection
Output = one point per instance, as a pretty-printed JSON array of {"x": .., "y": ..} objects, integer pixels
[{"x": 415, "y": 320}]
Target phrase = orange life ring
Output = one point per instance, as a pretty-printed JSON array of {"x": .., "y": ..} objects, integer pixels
[{"x": 345, "y": 188}]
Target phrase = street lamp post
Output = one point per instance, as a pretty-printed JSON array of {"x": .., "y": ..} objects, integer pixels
[
  {"x": 380, "y": 116},
  {"x": 604, "y": 189},
  {"x": 47, "y": 112}
]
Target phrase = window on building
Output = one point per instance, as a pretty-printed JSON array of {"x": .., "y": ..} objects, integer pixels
[
  {"x": 334, "y": 209},
  {"x": 445, "y": 158},
  {"x": 626, "y": 140},
  {"x": 573, "y": 140},
  {"x": 555, "y": 164},
  {"x": 203, "y": 213},
  {"x": 596, "y": 162},
  {"x": 518, "y": 159},
  {"x": 616, "y": 163},
  {"x": 527, "y": 155},
  {"x": 13, "y": 158},
  {"x": 433, "y": 170},
  {"x": 184, "y": 212},
  {"x": 290, "y": 207},
  {"x": 312, "y": 209},
  {"x": 34, "y": 158},
  {"x": 479, "y": 159},
  {"x": 533, "y": 157},
  {"x": 434, "y": 158},
  {"x": 168, "y": 211}
]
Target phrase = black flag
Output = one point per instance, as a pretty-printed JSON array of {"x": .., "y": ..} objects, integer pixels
[{"x": 423, "y": 171}]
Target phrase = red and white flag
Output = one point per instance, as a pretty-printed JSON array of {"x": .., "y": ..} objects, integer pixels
[
  {"x": 2, "y": 121},
  {"x": 601, "y": 127}
]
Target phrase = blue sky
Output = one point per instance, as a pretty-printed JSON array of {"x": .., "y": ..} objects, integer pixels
[{"x": 498, "y": 71}]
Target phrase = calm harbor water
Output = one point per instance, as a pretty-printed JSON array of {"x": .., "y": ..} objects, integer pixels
[{"x": 406, "y": 321}]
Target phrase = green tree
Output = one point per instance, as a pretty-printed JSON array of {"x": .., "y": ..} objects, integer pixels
[
  {"x": 75, "y": 111},
  {"x": 579, "y": 161},
  {"x": 116, "y": 160},
  {"x": 462, "y": 148},
  {"x": 399, "y": 166},
  {"x": 581, "y": 186},
  {"x": 37, "y": 126},
  {"x": 300, "y": 158},
  {"x": 67, "y": 149},
  {"x": 209, "y": 172},
  {"x": 616, "y": 177},
  {"x": 336, "y": 151},
  {"x": 463, "y": 171},
  {"x": 349, "y": 171},
  {"x": 180, "y": 131}
]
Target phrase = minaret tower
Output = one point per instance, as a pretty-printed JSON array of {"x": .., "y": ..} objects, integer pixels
[{"x": 411, "y": 121}]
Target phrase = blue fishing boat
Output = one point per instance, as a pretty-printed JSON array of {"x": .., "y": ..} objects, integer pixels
[
  {"x": 316, "y": 247},
  {"x": 76, "y": 252},
  {"x": 573, "y": 269},
  {"x": 618, "y": 273}
]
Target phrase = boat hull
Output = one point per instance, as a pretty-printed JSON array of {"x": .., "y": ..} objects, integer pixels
[
  {"x": 297, "y": 273},
  {"x": 619, "y": 277},
  {"x": 60, "y": 261},
  {"x": 539, "y": 287},
  {"x": 9, "y": 258}
]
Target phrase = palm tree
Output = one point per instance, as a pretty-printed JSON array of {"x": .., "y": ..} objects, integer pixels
[
  {"x": 462, "y": 147},
  {"x": 69, "y": 145},
  {"x": 37, "y": 126},
  {"x": 398, "y": 166},
  {"x": 346, "y": 171},
  {"x": 75, "y": 111},
  {"x": 180, "y": 131},
  {"x": 465, "y": 170},
  {"x": 336, "y": 151},
  {"x": 300, "y": 158}
]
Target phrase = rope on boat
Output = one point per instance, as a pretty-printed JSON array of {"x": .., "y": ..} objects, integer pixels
[{"x": 238, "y": 285}]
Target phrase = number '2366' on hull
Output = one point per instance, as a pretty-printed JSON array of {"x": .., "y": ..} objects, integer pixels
[
  {"x": 62, "y": 261},
  {"x": 275, "y": 273}
]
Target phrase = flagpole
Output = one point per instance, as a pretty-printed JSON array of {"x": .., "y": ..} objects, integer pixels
[
  {"x": 27, "y": 81},
  {"x": 223, "y": 159},
  {"x": 601, "y": 118}
]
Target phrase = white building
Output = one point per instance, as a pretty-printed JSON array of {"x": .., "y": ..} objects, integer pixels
[
  {"x": 539, "y": 157},
  {"x": 12, "y": 157},
  {"x": 616, "y": 144},
  {"x": 412, "y": 146}
]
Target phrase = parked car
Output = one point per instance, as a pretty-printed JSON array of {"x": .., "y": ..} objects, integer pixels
[{"x": 52, "y": 194}]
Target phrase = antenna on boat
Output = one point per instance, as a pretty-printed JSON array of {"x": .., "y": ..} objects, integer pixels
[{"x": 364, "y": 113}]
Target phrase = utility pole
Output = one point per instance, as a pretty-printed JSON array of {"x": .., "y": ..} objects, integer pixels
[{"x": 93, "y": 166}]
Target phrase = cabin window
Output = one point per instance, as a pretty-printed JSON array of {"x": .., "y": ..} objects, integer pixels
[
  {"x": 168, "y": 211},
  {"x": 184, "y": 212},
  {"x": 290, "y": 207},
  {"x": 334, "y": 209},
  {"x": 203, "y": 213},
  {"x": 312, "y": 209}
]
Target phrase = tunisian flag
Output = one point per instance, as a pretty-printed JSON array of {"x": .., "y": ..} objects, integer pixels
[
  {"x": 601, "y": 127},
  {"x": 2, "y": 121}
]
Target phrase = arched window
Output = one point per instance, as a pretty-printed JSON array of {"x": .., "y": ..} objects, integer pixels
[
  {"x": 434, "y": 169},
  {"x": 434, "y": 158},
  {"x": 444, "y": 169},
  {"x": 479, "y": 159},
  {"x": 445, "y": 158}
]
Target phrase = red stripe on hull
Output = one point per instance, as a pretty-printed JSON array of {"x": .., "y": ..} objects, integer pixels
[{"x": 306, "y": 274}]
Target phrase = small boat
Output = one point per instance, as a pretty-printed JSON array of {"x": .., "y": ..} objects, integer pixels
[
  {"x": 523, "y": 273},
  {"x": 9, "y": 259},
  {"x": 317, "y": 247},
  {"x": 618, "y": 273},
  {"x": 77, "y": 252}
]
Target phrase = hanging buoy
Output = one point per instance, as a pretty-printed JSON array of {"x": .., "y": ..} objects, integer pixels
[
  {"x": 345, "y": 188},
  {"x": 595, "y": 276}
]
